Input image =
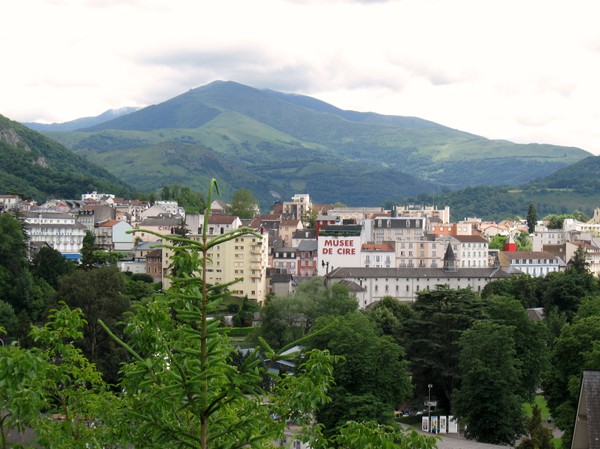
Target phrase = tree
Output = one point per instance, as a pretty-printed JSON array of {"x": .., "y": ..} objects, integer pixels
[
  {"x": 184, "y": 391},
  {"x": 373, "y": 379},
  {"x": 579, "y": 262},
  {"x": 50, "y": 264},
  {"x": 530, "y": 337},
  {"x": 190, "y": 200},
  {"x": 565, "y": 290},
  {"x": 99, "y": 294},
  {"x": 523, "y": 242},
  {"x": 486, "y": 400},
  {"x": 243, "y": 204},
  {"x": 572, "y": 352},
  {"x": 531, "y": 218},
  {"x": 441, "y": 316},
  {"x": 285, "y": 319},
  {"x": 538, "y": 435},
  {"x": 498, "y": 242}
]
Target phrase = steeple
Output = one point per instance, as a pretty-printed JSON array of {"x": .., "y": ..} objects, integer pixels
[
  {"x": 510, "y": 244},
  {"x": 450, "y": 263}
]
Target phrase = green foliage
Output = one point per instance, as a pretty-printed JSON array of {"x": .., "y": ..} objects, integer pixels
[
  {"x": 191, "y": 201},
  {"x": 370, "y": 435},
  {"x": 243, "y": 204},
  {"x": 49, "y": 264},
  {"x": 38, "y": 167},
  {"x": 538, "y": 436},
  {"x": 441, "y": 316},
  {"x": 99, "y": 293},
  {"x": 289, "y": 318},
  {"x": 372, "y": 380},
  {"x": 572, "y": 352},
  {"x": 564, "y": 290},
  {"x": 486, "y": 400},
  {"x": 498, "y": 242},
  {"x": 531, "y": 218},
  {"x": 530, "y": 337}
]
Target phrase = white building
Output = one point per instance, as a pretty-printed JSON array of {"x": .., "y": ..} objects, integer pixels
[
  {"x": 59, "y": 230},
  {"x": 533, "y": 263}
]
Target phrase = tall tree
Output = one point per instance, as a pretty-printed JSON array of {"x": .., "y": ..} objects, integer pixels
[
  {"x": 572, "y": 353},
  {"x": 538, "y": 436},
  {"x": 373, "y": 378},
  {"x": 99, "y": 294},
  {"x": 441, "y": 316},
  {"x": 50, "y": 264},
  {"x": 579, "y": 262},
  {"x": 531, "y": 218},
  {"x": 243, "y": 204},
  {"x": 487, "y": 401}
]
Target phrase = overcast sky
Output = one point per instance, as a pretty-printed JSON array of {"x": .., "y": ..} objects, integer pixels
[{"x": 521, "y": 70}]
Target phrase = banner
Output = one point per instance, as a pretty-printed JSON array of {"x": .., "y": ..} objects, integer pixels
[
  {"x": 452, "y": 425},
  {"x": 425, "y": 424},
  {"x": 443, "y": 424},
  {"x": 434, "y": 424}
]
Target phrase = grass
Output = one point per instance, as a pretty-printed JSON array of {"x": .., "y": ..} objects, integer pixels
[{"x": 540, "y": 401}]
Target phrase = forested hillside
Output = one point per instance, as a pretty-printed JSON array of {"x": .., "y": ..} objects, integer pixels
[
  {"x": 278, "y": 144},
  {"x": 37, "y": 167}
]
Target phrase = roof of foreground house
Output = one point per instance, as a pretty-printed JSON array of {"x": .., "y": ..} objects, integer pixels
[{"x": 586, "y": 434}]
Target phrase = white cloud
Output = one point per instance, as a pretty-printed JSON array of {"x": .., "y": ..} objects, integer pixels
[{"x": 522, "y": 71}]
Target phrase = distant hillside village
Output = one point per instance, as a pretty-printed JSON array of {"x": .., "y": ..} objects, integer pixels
[{"x": 375, "y": 252}]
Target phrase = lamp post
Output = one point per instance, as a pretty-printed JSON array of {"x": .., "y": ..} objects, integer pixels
[
  {"x": 325, "y": 264},
  {"x": 429, "y": 386}
]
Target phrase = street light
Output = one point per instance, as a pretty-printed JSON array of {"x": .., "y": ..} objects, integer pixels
[{"x": 429, "y": 386}]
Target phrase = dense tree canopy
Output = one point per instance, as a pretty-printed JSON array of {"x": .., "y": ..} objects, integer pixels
[
  {"x": 243, "y": 204},
  {"x": 487, "y": 400}
]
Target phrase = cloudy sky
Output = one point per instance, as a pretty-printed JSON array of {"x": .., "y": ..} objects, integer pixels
[{"x": 521, "y": 70}]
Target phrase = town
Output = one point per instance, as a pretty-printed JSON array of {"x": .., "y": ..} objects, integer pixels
[{"x": 375, "y": 252}]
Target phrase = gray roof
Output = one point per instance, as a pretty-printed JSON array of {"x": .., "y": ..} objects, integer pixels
[
  {"x": 361, "y": 272},
  {"x": 586, "y": 434},
  {"x": 308, "y": 245}
]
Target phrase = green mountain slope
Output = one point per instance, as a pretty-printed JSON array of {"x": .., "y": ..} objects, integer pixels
[
  {"x": 576, "y": 187},
  {"x": 285, "y": 143},
  {"x": 34, "y": 166}
]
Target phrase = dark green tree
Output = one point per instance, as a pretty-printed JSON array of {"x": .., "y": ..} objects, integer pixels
[
  {"x": 530, "y": 338},
  {"x": 372, "y": 380},
  {"x": 572, "y": 353},
  {"x": 49, "y": 264},
  {"x": 243, "y": 204},
  {"x": 538, "y": 436},
  {"x": 285, "y": 319},
  {"x": 565, "y": 290},
  {"x": 579, "y": 262},
  {"x": 487, "y": 401},
  {"x": 531, "y": 218},
  {"x": 99, "y": 294},
  {"x": 441, "y": 316}
]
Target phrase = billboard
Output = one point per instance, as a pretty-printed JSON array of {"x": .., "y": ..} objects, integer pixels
[{"x": 338, "y": 251}]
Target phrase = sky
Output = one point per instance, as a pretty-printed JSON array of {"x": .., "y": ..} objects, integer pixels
[{"x": 527, "y": 71}]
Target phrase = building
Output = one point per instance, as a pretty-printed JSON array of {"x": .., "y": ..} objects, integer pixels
[
  {"x": 60, "y": 231},
  {"x": 113, "y": 235},
  {"x": 308, "y": 256},
  {"x": 533, "y": 263},
  {"x": 378, "y": 255},
  {"x": 299, "y": 207},
  {"x": 431, "y": 212},
  {"x": 339, "y": 246},
  {"x": 90, "y": 215},
  {"x": 154, "y": 265},
  {"x": 404, "y": 284},
  {"x": 8, "y": 202},
  {"x": 396, "y": 229},
  {"x": 285, "y": 260},
  {"x": 165, "y": 224},
  {"x": 586, "y": 433},
  {"x": 243, "y": 260}
]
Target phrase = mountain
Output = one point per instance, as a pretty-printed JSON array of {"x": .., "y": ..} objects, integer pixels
[
  {"x": 572, "y": 188},
  {"x": 37, "y": 167},
  {"x": 278, "y": 144},
  {"x": 83, "y": 122}
]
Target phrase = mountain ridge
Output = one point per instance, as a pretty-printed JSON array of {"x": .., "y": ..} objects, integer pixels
[{"x": 285, "y": 143}]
